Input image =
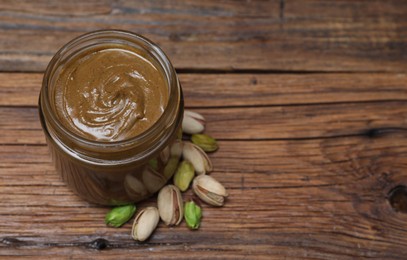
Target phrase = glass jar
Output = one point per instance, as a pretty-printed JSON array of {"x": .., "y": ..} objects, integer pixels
[{"x": 115, "y": 172}]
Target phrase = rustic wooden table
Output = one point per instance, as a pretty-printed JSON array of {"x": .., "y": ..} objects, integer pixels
[{"x": 307, "y": 98}]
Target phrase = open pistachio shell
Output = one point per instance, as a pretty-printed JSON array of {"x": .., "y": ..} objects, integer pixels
[
  {"x": 193, "y": 123},
  {"x": 199, "y": 159},
  {"x": 145, "y": 223},
  {"x": 170, "y": 205},
  {"x": 209, "y": 190}
]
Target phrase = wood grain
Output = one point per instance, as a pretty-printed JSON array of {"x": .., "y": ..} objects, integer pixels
[
  {"x": 45, "y": 7},
  {"x": 22, "y": 126},
  {"x": 276, "y": 35},
  {"x": 308, "y": 100},
  {"x": 328, "y": 195},
  {"x": 211, "y": 90}
]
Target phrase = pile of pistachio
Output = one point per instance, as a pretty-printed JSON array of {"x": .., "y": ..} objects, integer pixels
[{"x": 170, "y": 206}]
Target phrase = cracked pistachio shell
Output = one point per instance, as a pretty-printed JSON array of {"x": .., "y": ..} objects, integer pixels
[
  {"x": 145, "y": 223},
  {"x": 193, "y": 123},
  {"x": 184, "y": 175},
  {"x": 192, "y": 215},
  {"x": 170, "y": 205},
  {"x": 207, "y": 143},
  {"x": 209, "y": 190},
  {"x": 120, "y": 215},
  {"x": 199, "y": 159}
]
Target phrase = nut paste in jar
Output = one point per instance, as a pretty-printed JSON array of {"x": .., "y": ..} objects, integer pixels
[
  {"x": 111, "y": 109},
  {"x": 110, "y": 93}
]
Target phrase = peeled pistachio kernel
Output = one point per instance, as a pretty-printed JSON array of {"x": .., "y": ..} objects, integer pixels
[
  {"x": 209, "y": 190},
  {"x": 192, "y": 215},
  {"x": 193, "y": 123},
  {"x": 153, "y": 163},
  {"x": 207, "y": 143},
  {"x": 145, "y": 223},
  {"x": 199, "y": 159},
  {"x": 171, "y": 167},
  {"x": 120, "y": 215},
  {"x": 170, "y": 205},
  {"x": 184, "y": 175}
]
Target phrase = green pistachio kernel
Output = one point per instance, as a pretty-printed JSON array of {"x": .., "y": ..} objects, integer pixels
[
  {"x": 207, "y": 143},
  {"x": 171, "y": 166},
  {"x": 184, "y": 175},
  {"x": 153, "y": 164},
  {"x": 120, "y": 215},
  {"x": 192, "y": 215}
]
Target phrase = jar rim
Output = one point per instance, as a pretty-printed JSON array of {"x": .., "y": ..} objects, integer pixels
[{"x": 170, "y": 74}]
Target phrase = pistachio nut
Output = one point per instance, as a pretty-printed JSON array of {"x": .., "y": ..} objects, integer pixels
[
  {"x": 171, "y": 167},
  {"x": 120, "y": 215},
  {"x": 165, "y": 155},
  {"x": 153, "y": 163},
  {"x": 145, "y": 223},
  {"x": 192, "y": 215},
  {"x": 134, "y": 188},
  {"x": 152, "y": 179},
  {"x": 184, "y": 175},
  {"x": 209, "y": 190},
  {"x": 170, "y": 205},
  {"x": 176, "y": 148},
  {"x": 207, "y": 143},
  {"x": 193, "y": 123},
  {"x": 199, "y": 159},
  {"x": 175, "y": 154}
]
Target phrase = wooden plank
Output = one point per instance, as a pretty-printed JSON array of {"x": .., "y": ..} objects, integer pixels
[
  {"x": 20, "y": 89},
  {"x": 225, "y": 90},
  {"x": 259, "y": 161},
  {"x": 62, "y": 8},
  {"x": 310, "y": 160},
  {"x": 311, "y": 35},
  {"x": 20, "y": 125},
  {"x": 322, "y": 198}
]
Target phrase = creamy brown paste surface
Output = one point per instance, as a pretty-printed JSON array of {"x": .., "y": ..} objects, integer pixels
[{"x": 110, "y": 93}]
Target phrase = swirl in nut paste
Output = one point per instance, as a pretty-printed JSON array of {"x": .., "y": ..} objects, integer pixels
[{"x": 111, "y": 94}]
